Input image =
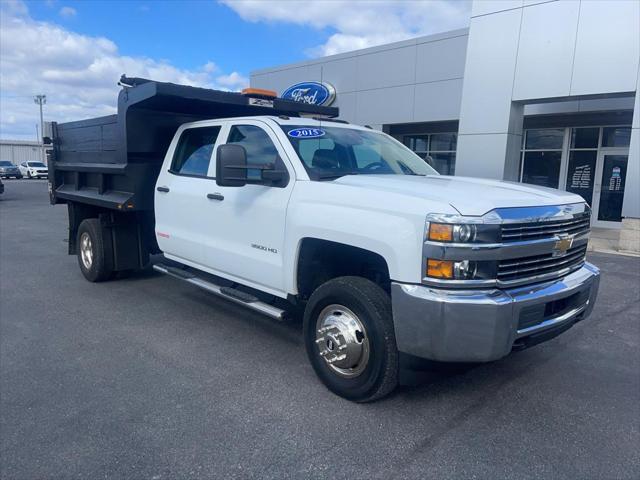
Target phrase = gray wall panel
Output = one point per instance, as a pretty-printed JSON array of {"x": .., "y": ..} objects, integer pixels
[
  {"x": 486, "y": 7},
  {"x": 389, "y": 68},
  {"x": 437, "y": 101},
  {"x": 545, "y": 51},
  {"x": 441, "y": 60},
  {"x": 607, "y": 48},
  {"x": 489, "y": 71},
  {"x": 376, "y": 85},
  {"x": 386, "y": 105},
  {"x": 342, "y": 74},
  {"x": 347, "y": 104}
]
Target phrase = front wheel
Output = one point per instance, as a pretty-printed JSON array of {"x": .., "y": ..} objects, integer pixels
[{"x": 350, "y": 340}]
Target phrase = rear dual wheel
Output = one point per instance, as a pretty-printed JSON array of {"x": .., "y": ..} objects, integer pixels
[
  {"x": 90, "y": 251},
  {"x": 350, "y": 340}
]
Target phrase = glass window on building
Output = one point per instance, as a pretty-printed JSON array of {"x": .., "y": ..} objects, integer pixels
[
  {"x": 438, "y": 150},
  {"x": 542, "y": 156},
  {"x": 581, "y": 168},
  {"x": 588, "y": 161},
  {"x": 616, "y": 136}
]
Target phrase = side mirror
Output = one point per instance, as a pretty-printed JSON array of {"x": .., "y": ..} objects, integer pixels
[{"x": 231, "y": 166}]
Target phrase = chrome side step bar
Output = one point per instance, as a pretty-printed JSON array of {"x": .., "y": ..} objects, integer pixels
[{"x": 236, "y": 296}]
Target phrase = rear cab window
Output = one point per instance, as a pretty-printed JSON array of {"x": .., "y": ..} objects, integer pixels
[{"x": 194, "y": 150}]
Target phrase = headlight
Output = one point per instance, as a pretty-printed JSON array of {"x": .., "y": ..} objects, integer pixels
[
  {"x": 450, "y": 270},
  {"x": 463, "y": 233},
  {"x": 460, "y": 269},
  {"x": 450, "y": 228}
]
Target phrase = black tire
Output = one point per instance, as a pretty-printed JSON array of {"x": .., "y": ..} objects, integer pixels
[
  {"x": 98, "y": 270},
  {"x": 372, "y": 305}
]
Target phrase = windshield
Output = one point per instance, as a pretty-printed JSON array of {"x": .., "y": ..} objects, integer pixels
[
  {"x": 4, "y": 163},
  {"x": 37, "y": 164},
  {"x": 331, "y": 152}
]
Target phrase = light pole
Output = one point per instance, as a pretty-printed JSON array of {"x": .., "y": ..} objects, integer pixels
[{"x": 41, "y": 100}]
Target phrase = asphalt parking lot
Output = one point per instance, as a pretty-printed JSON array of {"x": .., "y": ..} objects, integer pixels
[{"x": 148, "y": 378}]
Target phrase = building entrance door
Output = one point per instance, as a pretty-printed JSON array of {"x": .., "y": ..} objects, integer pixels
[{"x": 608, "y": 189}]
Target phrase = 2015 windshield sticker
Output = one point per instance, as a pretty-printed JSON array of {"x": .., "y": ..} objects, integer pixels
[{"x": 306, "y": 133}]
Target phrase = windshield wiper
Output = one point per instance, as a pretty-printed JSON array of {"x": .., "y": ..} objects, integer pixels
[
  {"x": 407, "y": 170},
  {"x": 333, "y": 176}
]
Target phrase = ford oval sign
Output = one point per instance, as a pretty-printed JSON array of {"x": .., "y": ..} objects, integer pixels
[{"x": 314, "y": 93}]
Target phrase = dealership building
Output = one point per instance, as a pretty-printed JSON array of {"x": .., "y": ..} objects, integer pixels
[{"x": 541, "y": 92}]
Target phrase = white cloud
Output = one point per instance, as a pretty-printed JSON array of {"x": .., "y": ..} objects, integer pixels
[
  {"x": 78, "y": 73},
  {"x": 233, "y": 81},
  {"x": 358, "y": 24},
  {"x": 67, "y": 12}
]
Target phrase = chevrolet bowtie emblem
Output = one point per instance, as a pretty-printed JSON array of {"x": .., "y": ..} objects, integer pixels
[{"x": 562, "y": 245}]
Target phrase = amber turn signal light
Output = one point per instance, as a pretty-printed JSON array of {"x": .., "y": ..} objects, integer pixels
[
  {"x": 439, "y": 268},
  {"x": 259, "y": 92},
  {"x": 440, "y": 232}
]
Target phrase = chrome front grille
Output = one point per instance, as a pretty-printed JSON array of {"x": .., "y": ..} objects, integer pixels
[
  {"x": 540, "y": 267},
  {"x": 517, "y": 232},
  {"x": 521, "y": 246}
]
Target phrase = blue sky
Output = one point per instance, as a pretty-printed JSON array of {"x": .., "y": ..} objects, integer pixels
[
  {"x": 74, "y": 51},
  {"x": 188, "y": 33}
]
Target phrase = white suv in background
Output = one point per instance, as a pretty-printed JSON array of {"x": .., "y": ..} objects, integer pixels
[{"x": 34, "y": 170}]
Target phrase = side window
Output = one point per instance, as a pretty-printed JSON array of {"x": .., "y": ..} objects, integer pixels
[
  {"x": 193, "y": 152},
  {"x": 260, "y": 149}
]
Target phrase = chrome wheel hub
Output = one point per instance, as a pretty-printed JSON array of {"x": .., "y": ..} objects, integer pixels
[
  {"x": 86, "y": 250},
  {"x": 342, "y": 341}
]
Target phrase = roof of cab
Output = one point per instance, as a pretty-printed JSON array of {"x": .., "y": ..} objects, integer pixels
[{"x": 285, "y": 120}]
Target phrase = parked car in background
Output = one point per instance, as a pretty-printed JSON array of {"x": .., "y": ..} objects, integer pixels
[
  {"x": 34, "y": 169},
  {"x": 8, "y": 169}
]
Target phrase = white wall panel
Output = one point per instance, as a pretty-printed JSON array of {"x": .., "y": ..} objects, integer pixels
[
  {"x": 607, "y": 47},
  {"x": 545, "y": 51}
]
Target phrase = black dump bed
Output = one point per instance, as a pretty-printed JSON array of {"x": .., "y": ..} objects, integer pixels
[{"x": 112, "y": 162}]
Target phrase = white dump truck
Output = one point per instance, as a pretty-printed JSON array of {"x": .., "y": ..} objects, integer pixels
[{"x": 277, "y": 206}]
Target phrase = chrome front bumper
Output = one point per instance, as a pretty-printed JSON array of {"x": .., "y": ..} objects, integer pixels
[{"x": 480, "y": 326}]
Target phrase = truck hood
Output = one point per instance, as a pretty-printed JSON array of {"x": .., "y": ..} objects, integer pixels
[{"x": 469, "y": 196}]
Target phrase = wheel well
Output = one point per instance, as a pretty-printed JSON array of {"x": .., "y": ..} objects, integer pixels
[
  {"x": 130, "y": 235},
  {"x": 77, "y": 213},
  {"x": 322, "y": 260}
]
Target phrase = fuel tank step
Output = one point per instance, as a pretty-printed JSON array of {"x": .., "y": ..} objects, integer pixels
[{"x": 241, "y": 298}]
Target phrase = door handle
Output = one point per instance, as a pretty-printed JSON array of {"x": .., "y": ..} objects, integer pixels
[
  {"x": 163, "y": 189},
  {"x": 215, "y": 196}
]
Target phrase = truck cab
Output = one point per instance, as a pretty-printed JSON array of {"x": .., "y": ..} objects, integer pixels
[{"x": 279, "y": 212}]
